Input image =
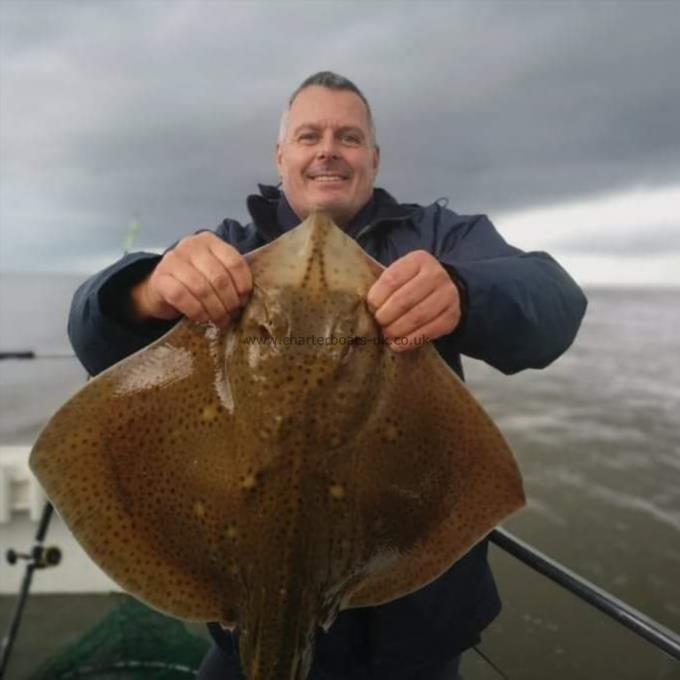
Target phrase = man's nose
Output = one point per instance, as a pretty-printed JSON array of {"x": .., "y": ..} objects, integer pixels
[{"x": 328, "y": 148}]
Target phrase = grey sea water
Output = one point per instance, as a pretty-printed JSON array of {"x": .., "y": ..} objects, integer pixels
[{"x": 597, "y": 436}]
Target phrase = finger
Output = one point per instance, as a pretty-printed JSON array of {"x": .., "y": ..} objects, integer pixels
[
  {"x": 409, "y": 342},
  {"x": 219, "y": 279},
  {"x": 443, "y": 324},
  {"x": 179, "y": 297},
  {"x": 237, "y": 266},
  {"x": 408, "y": 296},
  {"x": 146, "y": 301},
  {"x": 422, "y": 313},
  {"x": 395, "y": 276},
  {"x": 200, "y": 289}
]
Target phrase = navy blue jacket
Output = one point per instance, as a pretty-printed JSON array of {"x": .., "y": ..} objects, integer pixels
[{"x": 520, "y": 310}]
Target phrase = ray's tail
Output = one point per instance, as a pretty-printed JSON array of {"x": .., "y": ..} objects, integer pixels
[{"x": 277, "y": 640}]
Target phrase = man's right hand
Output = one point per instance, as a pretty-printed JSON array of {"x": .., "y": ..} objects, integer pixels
[{"x": 202, "y": 277}]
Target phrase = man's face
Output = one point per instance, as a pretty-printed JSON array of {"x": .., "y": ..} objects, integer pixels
[{"x": 327, "y": 160}]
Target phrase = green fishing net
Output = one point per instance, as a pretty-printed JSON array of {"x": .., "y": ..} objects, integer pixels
[{"x": 132, "y": 642}]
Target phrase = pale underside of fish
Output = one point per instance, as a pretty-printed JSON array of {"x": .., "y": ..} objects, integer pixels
[{"x": 271, "y": 474}]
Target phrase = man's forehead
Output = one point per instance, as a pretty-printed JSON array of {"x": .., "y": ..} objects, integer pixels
[
  {"x": 324, "y": 123},
  {"x": 320, "y": 104}
]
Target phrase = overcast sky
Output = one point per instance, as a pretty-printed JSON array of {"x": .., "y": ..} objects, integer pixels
[{"x": 558, "y": 119}]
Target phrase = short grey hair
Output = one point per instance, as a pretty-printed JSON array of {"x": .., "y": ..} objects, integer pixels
[{"x": 332, "y": 81}]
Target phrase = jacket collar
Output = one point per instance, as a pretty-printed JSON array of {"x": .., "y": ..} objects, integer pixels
[{"x": 273, "y": 216}]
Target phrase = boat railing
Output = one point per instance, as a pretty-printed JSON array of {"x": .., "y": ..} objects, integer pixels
[{"x": 629, "y": 617}]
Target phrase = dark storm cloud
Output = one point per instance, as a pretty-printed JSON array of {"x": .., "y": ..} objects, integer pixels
[{"x": 169, "y": 110}]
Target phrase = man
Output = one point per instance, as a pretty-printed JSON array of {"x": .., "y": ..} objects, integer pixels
[{"x": 449, "y": 278}]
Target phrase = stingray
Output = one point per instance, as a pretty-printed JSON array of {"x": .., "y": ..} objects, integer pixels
[{"x": 269, "y": 475}]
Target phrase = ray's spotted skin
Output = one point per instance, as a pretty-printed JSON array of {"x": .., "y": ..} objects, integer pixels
[{"x": 267, "y": 477}]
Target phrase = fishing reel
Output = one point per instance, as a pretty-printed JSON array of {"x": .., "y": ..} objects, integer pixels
[{"x": 39, "y": 558}]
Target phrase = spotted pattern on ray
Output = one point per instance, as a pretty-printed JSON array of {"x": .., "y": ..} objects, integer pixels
[{"x": 231, "y": 476}]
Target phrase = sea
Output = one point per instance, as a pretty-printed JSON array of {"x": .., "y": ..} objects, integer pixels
[{"x": 597, "y": 438}]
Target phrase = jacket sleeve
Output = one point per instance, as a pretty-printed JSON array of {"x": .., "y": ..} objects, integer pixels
[
  {"x": 97, "y": 327},
  {"x": 522, "y": 309}
]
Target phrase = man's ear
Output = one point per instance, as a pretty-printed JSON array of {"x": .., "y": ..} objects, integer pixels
[
  {"x": 376, "y": 159},
  {"x": 278, "y": 159}
]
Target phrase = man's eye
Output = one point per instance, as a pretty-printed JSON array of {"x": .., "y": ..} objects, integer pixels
[
  {"x": 307, "y": 137},
  {"x": 351, "y": 138}
]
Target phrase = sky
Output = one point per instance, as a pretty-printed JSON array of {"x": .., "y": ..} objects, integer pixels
[{"x": 559, "y": 120}]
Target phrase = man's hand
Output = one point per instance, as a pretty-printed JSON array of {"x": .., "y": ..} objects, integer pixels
[
  {"x": 202, "y": 277},
  {"x": 414, "y": 300}
]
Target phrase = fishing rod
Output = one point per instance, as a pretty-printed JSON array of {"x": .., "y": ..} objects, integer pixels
[
  {"x": 29, "y": 354},
  {"x": 133, "y": 229},
  {"x": 40, "y": 557}
]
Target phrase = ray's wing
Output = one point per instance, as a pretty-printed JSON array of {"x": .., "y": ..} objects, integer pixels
[
  {"x": 138, "y": 465},
  {"x": 436, "y": 477}
]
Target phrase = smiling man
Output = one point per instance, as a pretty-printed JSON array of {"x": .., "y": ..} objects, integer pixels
[
  {"x": 327, "y": 156},
  {"x": 449, "y": 278}
]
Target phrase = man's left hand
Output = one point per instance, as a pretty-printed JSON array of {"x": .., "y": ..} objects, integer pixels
[{"x": 414, "y": 300}]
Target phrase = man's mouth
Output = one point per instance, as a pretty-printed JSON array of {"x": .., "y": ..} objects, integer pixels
[{"x": 327, "y": 177}]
